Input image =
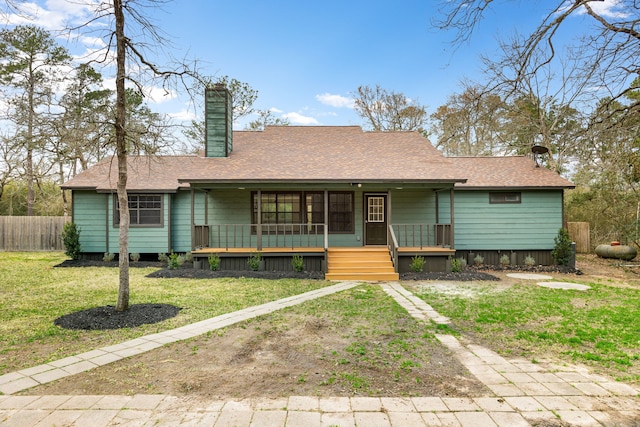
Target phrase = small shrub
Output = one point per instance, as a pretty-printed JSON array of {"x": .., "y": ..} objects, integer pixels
[
  {"x": 254, "y": 261},
  {"x": 561, "y": 252},
  {"x": 135, "y": 257},
  {"x": 297, "y": 262},
  {"x": 71, "y": 240},
  {"x": 417, "y": 264},
  {"x": 478, "y": 260},
  {"x": 463, "y": 263},
  {"x": 529, "y": 261},
  {"x": 188, "y": 257},
  {"x": 456, "y": 265},
  {"x": 108, "y": 257},
  {"x": 214, "y": 262},
  {"x": 174, "y": 261},
  {"x": 162, "y": 257},
  {"x": 504, "y": 260}
]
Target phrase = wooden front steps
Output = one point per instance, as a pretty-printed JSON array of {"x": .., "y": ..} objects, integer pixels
[{"x": 364, "y": 263}]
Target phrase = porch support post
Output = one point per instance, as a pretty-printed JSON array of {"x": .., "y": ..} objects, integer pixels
[
  {"x": 193, "y": 220},
  {"x": 170, "y": 232},
  {"x": 388, "y": 213},
  {"x": 205, "y": 194},
  {"x": 259, "y": 215},
  {"x": 106, "y": 221},
  {"x": 326, "y": 219},
  {"x": 452, "y": 221}
]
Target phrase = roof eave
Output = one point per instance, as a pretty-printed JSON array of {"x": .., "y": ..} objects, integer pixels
[
  {"x": 320, "y": 181},
  {"x": 521, "y": 187},
  {"x": 79, "y": 187}
]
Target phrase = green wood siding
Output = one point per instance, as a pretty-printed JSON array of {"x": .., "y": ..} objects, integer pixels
[
  {"x": 413, "y": 207},
  {"x": 142, "y": 239},
  {"x": 444, "y": 204},
  {"x": 181, "y": 218},
  {"x": 479, "y": 225},
  {"x": 230, "y": 207},
  {"x": 90, "y": 214},
  {"x": 218, "y": 123},
  {"x": 531, "y": 224}
]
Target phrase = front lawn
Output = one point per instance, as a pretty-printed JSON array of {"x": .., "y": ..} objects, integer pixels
[
  {"x": 599, "y": 327},
  {"x": 33, "y": 293}
]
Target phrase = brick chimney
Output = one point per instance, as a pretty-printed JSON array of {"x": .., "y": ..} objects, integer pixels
[{"x": 218, "y": 122}]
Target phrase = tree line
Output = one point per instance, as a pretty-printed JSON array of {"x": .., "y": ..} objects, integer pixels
[{"x": 59, "y": 119}]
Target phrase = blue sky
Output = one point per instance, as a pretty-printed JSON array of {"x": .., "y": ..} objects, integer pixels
[{"x": 305, "y": 59}]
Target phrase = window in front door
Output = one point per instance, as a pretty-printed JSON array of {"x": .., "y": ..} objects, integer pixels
[{"x": 375, "y": 209}]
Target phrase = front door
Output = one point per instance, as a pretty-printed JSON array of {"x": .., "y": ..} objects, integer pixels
[{"x": 375, "y": 219}]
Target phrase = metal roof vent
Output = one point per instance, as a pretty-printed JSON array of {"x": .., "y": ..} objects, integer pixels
[{"x": 537, "y": 151}]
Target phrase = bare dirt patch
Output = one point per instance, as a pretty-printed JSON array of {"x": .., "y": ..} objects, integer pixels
[{"x": 287, "y": 354}]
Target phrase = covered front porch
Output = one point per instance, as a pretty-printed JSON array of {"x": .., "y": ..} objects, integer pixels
[
  {"x": 311, "y": 222},
  {"x": 235, "y": 244}
]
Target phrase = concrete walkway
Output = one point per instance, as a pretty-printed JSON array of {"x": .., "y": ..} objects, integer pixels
[{"x": 523, "y": 393}]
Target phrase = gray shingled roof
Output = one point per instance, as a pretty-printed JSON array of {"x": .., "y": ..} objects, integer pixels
[{"x": 319, "y": 154}]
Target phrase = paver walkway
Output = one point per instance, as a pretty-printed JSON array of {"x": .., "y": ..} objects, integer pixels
[{"x": 523, "y": 393}]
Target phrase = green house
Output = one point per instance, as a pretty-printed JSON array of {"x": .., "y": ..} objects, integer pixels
[{"x": 353, "y": 204}]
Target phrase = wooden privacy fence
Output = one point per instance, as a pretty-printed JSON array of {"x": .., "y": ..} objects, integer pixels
[
  {"x": 579, "y": 233},
  {"x": 32, "y": 233}
]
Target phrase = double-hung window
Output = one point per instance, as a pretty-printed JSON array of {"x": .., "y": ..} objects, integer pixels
[
  {"x": 145, "y": 210},
  {"x": 341, "y": 214}
]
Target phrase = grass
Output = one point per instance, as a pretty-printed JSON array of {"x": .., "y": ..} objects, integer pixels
[
  {"x": 599, "y": 327},
  {"x": 377, "y": 340},
  {"x": 33, "y": 293}
]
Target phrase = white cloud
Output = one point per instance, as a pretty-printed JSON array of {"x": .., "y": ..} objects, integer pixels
[
  {"x": 52, "y": 15},
  {"x": 337, "y": 101},
  {"x": 299, "y": 119},
  {"x": 93, "y": 42},
  {"x": 607, "y": 9},
  {"x": 158, "y": 95},
  {"x": 183, "y": 116}
]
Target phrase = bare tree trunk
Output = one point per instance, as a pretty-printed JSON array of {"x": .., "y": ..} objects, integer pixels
[
  {"x": 121, "y": 150},
  {"x": 65, "y": 201},
  {"x": 30, "y": 192},
  {"x": 30, "y": 174}
]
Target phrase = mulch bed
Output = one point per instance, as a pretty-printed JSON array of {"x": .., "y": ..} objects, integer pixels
[
  {"x": 106, "y": 317},
  {"x": 470, "y": 273}
]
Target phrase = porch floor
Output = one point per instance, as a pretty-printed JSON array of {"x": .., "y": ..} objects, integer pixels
[{"x": 426, "y": 250}]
